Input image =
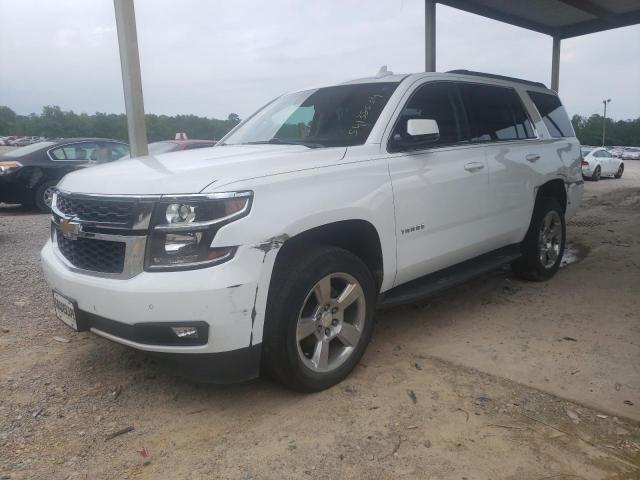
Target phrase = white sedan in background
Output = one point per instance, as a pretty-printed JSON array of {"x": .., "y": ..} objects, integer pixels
[
  {"x": 597, "y": 161},
  {"x": 631, "y": 154}
]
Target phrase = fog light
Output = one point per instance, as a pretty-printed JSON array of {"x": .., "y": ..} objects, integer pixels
[{"x": 185, "y": 332}]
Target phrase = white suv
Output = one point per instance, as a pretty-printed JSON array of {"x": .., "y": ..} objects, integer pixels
[{"x": 273, "y": 249}]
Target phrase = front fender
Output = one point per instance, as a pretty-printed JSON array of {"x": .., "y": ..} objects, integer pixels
[{"x": 286, "y": 205}]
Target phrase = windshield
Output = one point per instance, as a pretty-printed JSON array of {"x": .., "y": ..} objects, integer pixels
[
  {"x": 22, "y": 151},
  {"x": 337, "y": 116}
]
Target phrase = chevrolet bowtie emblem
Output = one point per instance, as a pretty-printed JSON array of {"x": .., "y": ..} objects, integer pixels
[{"x": 69, "y": 229}]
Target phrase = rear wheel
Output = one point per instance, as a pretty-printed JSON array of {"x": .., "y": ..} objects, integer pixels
[
  {"x": 596, "y": 174},
  {"x": 543, "y": 245},
  {"x": 620, "y": 171},
  {"x": 44, "y": 195},
  {"x": 319, "y": 317}
]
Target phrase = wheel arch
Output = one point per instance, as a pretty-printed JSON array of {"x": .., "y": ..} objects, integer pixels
[
  {"x": 357, "y": 236},
  {"x": 554, "y": 189}
]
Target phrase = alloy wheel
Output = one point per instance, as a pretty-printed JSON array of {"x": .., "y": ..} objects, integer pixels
[
  {"x": 550, "y": 239},
  {"x": 330, "y": 322},
  {"x": 47, "y": 196}
]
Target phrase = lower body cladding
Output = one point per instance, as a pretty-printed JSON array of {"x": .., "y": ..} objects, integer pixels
[{"x": 209, "y": 320}]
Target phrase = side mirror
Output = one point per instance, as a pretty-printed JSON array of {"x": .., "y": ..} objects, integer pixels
[
  {"x": 426, "y": 129},
  {"x": 420, "y": 132}
]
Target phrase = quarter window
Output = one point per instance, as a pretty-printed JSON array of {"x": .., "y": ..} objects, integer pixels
[
  {"x": 495, "y": 113},
  {"x": 553, "y": 114}
]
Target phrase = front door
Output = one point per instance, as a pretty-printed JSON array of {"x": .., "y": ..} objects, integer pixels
[{"x": 440, "y": 189}]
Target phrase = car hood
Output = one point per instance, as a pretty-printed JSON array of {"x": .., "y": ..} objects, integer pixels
[{"x": 192, "y": 171}]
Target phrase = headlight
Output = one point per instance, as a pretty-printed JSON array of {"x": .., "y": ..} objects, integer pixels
[
  {"x": 184, "y": 226},
  {"x": 8, "y": 167}
]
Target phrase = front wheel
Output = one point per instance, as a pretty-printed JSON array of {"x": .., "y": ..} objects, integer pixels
[
  {"x": 543, "y": 246},
  {"x": 319, "y": 317},
  {"x": 620, "y": 171}
]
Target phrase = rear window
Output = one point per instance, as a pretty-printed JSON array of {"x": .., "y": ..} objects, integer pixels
[
  {"x": 585, "y": 150},
  {"x": 495, "y": 113},
  {"x": 553, "y": 114}
]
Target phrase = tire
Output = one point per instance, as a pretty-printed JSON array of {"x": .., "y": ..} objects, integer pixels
[
  {"x": 41, "y": 198},
  {"x": 596, "y": 174},
  {"x": 540, "y": 260},
  {"x": 290, "y": 353},
  {"x": 620, "y": 171}
]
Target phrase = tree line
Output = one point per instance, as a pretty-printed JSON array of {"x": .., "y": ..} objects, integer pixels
[
  {"x": 618, "y": 132},
  {"x": 53, "y": 122}
]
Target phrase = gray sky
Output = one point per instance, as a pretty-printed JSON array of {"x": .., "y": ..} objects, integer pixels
[{"x": 211, "y": 58}]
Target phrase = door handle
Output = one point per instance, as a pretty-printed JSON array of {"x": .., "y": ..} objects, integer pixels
[
  {"x": 473, "y": 166},
  {"x": 532, "y": 157}
]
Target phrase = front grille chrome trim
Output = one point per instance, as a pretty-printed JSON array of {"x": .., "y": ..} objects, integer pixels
[
  {"x": 141, "y": 209},
  {"x": 133, "y": 256}
]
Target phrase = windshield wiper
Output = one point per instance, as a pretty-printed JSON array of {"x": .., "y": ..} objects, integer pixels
[{"x": 279, "y": 141}]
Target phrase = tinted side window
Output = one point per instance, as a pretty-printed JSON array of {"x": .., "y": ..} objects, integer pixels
[
  {"x": 553, "y": 114},
  {"x": 495, "y": 113},
  {"x": 80, "y": 152},
  {"x": 440, "y": 102}
]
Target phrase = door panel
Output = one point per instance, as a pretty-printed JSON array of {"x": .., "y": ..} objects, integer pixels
[
  {"x": 440, "y": 188},
  {"x": 441, "y": 209},
  {"x": 511, "y": 197}
]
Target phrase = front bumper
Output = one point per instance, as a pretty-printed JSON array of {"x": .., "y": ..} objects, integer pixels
[{"x": 222, "y": 298}]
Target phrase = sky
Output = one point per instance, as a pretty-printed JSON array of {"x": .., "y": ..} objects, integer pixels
[{"x": 214, "y": 57}]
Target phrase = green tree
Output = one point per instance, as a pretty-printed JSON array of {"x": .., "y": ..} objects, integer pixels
[{"x": 54, "y": 122}]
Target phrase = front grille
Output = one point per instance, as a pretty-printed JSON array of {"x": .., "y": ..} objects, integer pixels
[
  {"x": 99, "y": 211},
  {"x": 92, "y": 254}
]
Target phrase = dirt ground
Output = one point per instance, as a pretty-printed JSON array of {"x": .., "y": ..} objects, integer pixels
[{"x": 495, "y": 379}]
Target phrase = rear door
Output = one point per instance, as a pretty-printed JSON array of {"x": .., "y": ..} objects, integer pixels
[
  {"x": 440, "y": 189},
  {"x": 499, "y": 120}
]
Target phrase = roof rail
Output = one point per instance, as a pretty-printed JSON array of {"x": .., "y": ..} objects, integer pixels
[{"x": 497, "y": 77}]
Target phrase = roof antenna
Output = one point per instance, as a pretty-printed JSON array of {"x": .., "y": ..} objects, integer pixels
[{"x": 383, "y": 72}]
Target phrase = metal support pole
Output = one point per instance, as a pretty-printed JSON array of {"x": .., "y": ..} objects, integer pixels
[
  {"x": 131, "y": 79},
  {"x": 429, "y": 35},
  {"x": 555, "y": 65},
  {"x": 604, "y": 120}
]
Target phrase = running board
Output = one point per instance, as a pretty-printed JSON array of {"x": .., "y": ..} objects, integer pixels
[{"x": 426, "y": 286}]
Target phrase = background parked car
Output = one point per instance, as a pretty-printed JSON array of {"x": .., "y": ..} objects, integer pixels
[
  {"x": 29, "y": 174},
  {"x": 597, "y": 161},
  {"x": 631, "y": 154},
  {"x": 156, "y": 148},
  {"x": 24, "y": 141},
  {"x": 166, "y": 146},
  {"x": 617, "y": 151}
]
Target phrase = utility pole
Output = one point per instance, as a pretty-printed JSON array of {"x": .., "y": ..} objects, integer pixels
[{"x": 604, "y": 119}]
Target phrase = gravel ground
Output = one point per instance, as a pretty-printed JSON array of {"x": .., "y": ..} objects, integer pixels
[{"x": 78, "y": 406}]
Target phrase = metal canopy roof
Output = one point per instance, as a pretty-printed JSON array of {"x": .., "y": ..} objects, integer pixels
[{"x": 558, "y": 18}]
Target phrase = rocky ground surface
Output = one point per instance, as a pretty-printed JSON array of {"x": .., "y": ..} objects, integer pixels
[{"x": 425, "y": 402}]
